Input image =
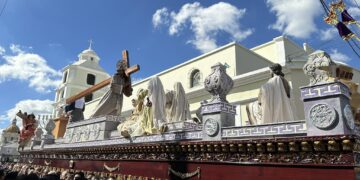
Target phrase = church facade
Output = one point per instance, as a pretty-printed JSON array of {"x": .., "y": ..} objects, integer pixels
[{"x": 247, "y": 67}]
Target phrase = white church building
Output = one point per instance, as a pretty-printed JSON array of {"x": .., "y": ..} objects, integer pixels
[
  {"x": 247, "y": 67},
  {"x": 9, "y": 143}
]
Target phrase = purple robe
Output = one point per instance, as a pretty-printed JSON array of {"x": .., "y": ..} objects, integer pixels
[
  {"x": 344, "y": 31},
  {"x": 346, "y": 18}
]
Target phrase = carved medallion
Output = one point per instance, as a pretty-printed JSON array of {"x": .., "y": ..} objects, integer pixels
[
  {"x": 211, "y": 127},
  {"x": 322, "y": 116},
  {"x": 350, "y": 122}
]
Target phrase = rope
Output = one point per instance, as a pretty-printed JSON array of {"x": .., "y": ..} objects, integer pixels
[
  {"x": 353, "y": 49},
  {"x": 355, "y": 43},
  {"x": 326, "y": 9},
  {"x": 355, "y": 1},
  {"x": 2, "y": 10}
]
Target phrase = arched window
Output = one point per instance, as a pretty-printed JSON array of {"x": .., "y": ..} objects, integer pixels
[
  {"x": 90, "y": 80},
  {"x": 195, "y": 78},
  {"x": 65, "y": 77},
  {"x": 89, "y": 98}
]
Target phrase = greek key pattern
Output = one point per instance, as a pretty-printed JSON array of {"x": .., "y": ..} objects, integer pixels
[
  {"x": 298, "y": 127},
  {"x": 218, "y": 107},
  {"x": 324, "y": 90},
  {"x": 183, "y": 126}
]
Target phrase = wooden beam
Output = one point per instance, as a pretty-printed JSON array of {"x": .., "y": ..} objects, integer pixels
[
  {"x": 88, "y": 91},
  {"x": 131, "y": 70},
  {"x": 128, "y": 72},
  {"x": 125, "y": 57},
  {"x": 100, "y": 85}
]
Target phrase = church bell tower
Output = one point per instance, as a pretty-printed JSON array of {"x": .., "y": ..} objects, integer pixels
[{"x": 82, "y": 74}]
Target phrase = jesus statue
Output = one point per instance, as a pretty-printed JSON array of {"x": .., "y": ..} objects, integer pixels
[{"x": 111, "y": 102}]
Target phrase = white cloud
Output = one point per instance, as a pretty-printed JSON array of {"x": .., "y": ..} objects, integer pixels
[
  {"x": 295, "y": 17},
  {"x": 204, "y": 22},
  {"x": 4, "y": 117},
  {"x": 29, "y": 67},
  {"x": 353, "y": 8},
  {"x": 328, "y": 34},
  {"x": 160, "y": 17},
  {"x": 354, "y": 2},
  {"x": 2, "y": 50},
  {"x": 38, "y": 107},
  {"x": 15, "y": 48},
  {"x": 338, "y": 56},
  {"x": 354, "y": 12}
]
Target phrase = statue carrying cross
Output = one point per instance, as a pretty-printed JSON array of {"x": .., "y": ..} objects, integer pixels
[{"x": 120, "y": 83}]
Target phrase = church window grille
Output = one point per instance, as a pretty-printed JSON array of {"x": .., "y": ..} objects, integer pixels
[
  {"x": 195, "y": 78},
  {"x": 89, "y": 98},
  {"x": 90, "y": 79}
]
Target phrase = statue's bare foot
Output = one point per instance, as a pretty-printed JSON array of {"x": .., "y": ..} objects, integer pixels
[{"x": 125, "y": 134}]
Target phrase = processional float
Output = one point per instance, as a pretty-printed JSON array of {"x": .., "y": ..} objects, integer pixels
[{"x": 323, "y": 146}]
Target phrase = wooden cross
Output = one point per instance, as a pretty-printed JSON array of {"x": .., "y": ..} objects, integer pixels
[
  {"x": 128, "y": 72},
  {"x": 132, "y": 69}
]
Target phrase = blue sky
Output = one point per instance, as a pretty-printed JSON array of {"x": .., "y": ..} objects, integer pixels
[{"x": 38, "y": 38}]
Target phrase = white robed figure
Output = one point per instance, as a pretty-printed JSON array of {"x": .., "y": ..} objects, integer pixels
[
  {"x": 274, "y": 104},
  {"x": 154, "y": 115},
  {"x": 177, "y": 104}
]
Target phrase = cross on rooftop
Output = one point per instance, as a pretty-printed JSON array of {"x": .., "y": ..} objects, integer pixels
[{"x": 90, "y": 43}]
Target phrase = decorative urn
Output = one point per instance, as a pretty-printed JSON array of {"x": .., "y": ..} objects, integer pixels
[{"x": 218, "y": 83}]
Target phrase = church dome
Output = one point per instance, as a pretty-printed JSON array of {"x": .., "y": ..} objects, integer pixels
[
  {"x": 13, "y": 128},
  {"x": 89, "y": 52},
  {"x": 89, "y": 55}
]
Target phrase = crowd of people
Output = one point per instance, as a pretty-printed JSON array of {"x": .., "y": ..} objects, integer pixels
[{"x": 19, "y": 171}]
